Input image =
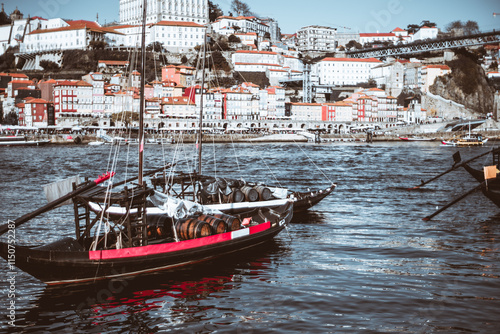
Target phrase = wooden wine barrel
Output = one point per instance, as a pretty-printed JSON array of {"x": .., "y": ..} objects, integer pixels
[
  {"x": 251, "y": 195},
  {"x": 265, "y": 193},
  {"x": 236, "y": 196},
  {"x": 218, "y": 225},
  {"x": 192, "y": 228},
  {"x": 232, "y": 223},
  {"x": 158, "y": 226}
]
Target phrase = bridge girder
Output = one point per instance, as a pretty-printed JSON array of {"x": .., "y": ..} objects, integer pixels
[{"x": 432, "y": 45}]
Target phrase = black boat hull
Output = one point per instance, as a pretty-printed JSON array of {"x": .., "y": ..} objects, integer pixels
[
  {"x": 66, "y": 262},
  {"x": 491, "y": 190}
]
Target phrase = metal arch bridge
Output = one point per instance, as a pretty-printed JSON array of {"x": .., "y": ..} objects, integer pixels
[{"x": 429, "y": 45}]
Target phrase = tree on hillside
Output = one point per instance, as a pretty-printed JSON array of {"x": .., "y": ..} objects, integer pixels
[
  {"x": 240, "y": 8},
  {"x": 427, "y": 23},
  {"x": 471, "y": 27},
  {"x": 48, "y": 65},
  {"x": 233, "y": 39},
  {"x": 353, "y": 44},
  {"x": 4, "y": 19},
  {"x": 156, "y": 47},
  {"x": 214, "y": 11},
  {"x": 460, "y": 28}
]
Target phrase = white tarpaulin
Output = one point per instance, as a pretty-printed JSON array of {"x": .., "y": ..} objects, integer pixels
[{"x": 58, "y": 189}]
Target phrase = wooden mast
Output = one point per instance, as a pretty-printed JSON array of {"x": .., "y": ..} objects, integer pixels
[
  {"x": 141, "y": 107},
  {"x": 200, "y": 134}
]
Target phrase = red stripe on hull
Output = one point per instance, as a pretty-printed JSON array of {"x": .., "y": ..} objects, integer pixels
[{"x": 170, "y": 247}]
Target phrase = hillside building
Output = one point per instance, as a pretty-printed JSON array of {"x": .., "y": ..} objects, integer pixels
[{"x": 164, "y": 10}]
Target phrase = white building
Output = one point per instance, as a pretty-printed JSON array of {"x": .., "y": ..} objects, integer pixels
[
  {"x": 228, "y": 25},
  {"x": 71, "y": 35},
  {"x": 344, "y": 71},
  {"x": 425, "y": 33},
  {"x": 390, "y": 75},
  {"x": 317, "y": 38},
  {"x": 429, "y": 73},
  {"x": 378, "y": 37},
  {"x": 164, "y": 10},
  {"x": 176, "y": 36}
]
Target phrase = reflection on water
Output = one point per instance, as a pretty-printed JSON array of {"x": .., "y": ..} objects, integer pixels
[{"x": 362, "y": 260}]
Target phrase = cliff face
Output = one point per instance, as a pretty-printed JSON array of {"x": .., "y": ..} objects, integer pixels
[{"x": 466, "y": 85}]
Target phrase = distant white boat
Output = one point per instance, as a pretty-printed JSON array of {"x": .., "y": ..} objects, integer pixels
[
  {"x": 96, "y": 143},
  {"x": 21, "y": 141},
  {"x": 413, "y": 138}
]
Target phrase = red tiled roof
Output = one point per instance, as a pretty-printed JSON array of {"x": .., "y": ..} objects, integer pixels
[
  {"x": 377, "y": 34},
  {"x": 257, "y": 52},
  {"x": 359, "y": 60},
  {"x": 178, "y": 24}
]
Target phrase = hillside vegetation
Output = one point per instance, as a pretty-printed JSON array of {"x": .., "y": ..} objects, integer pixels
[{"x": 466, "y": 84}]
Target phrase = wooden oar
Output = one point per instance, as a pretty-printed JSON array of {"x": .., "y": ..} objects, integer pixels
[
  {"x": 455, "y": 166},
  {"x": 21, "y": 220},
  {"x": 455, "y": 201}
]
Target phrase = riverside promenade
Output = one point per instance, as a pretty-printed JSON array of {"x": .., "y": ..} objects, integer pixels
[{"x": 489, "y": 129}]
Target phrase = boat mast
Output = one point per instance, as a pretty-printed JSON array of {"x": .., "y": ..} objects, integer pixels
[
  {"x": 143, "y": 82},
  {"x": 200, "y": 134}
]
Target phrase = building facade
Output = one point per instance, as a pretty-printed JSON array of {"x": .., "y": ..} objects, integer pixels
[
  {"x": 317, "y": 38},
  {"x": 164, "y": 10}
]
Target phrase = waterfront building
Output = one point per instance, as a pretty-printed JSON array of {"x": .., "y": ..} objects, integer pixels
[
  {"x": 317, "y": 39},
  {"x": 178, "y": 106},
  {"x": 96, "y": 80},
  {"x": 164, "y": 10},
  {"x": 344, "y": 71},
  {"x": 340, "y": 111},
  {"x": 33, "y": 112},
  {"x": 306, "y": 111},
  {"x": 65, "y": 97},
  {"x": 240, "y": 104}
]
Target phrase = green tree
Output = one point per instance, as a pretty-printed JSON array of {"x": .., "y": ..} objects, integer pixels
[
  {"x": 234, "y": 39},
  {"x": 49, "y": 65},
  {"x": 353, "y": 44},
  {"x": 94, "y": 45},
  {"x": 11, "y": 118},
  {"x": 240, "y": 8},
  {"x": 4, "y": 19},
  {"x": 459, "y": 27},
  {"x": 184, "y": 59},
  {"x": 471, "y": 27},
  {"x": 156, "y": 47},
  {"x": 214, "y": 11}
]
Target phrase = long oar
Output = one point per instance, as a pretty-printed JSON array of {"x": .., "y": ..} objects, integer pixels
[
  {"x": 455, "y": 201},
  {"x": 21, "y": 220},
  {"x": 455, "y": 166}
]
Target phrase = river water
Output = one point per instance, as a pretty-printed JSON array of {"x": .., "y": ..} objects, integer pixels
[{"x": 361, "y": 261}]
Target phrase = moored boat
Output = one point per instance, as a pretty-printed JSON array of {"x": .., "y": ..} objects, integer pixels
[
  {"x": 136, "y": 242},
  {"x": 142, "y": 243},
  {"x": 414, "y": 138},
  {"x": 21, "y": 141}
]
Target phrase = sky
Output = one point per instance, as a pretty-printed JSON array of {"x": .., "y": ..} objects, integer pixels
[{"x": 345, "y": 15}]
